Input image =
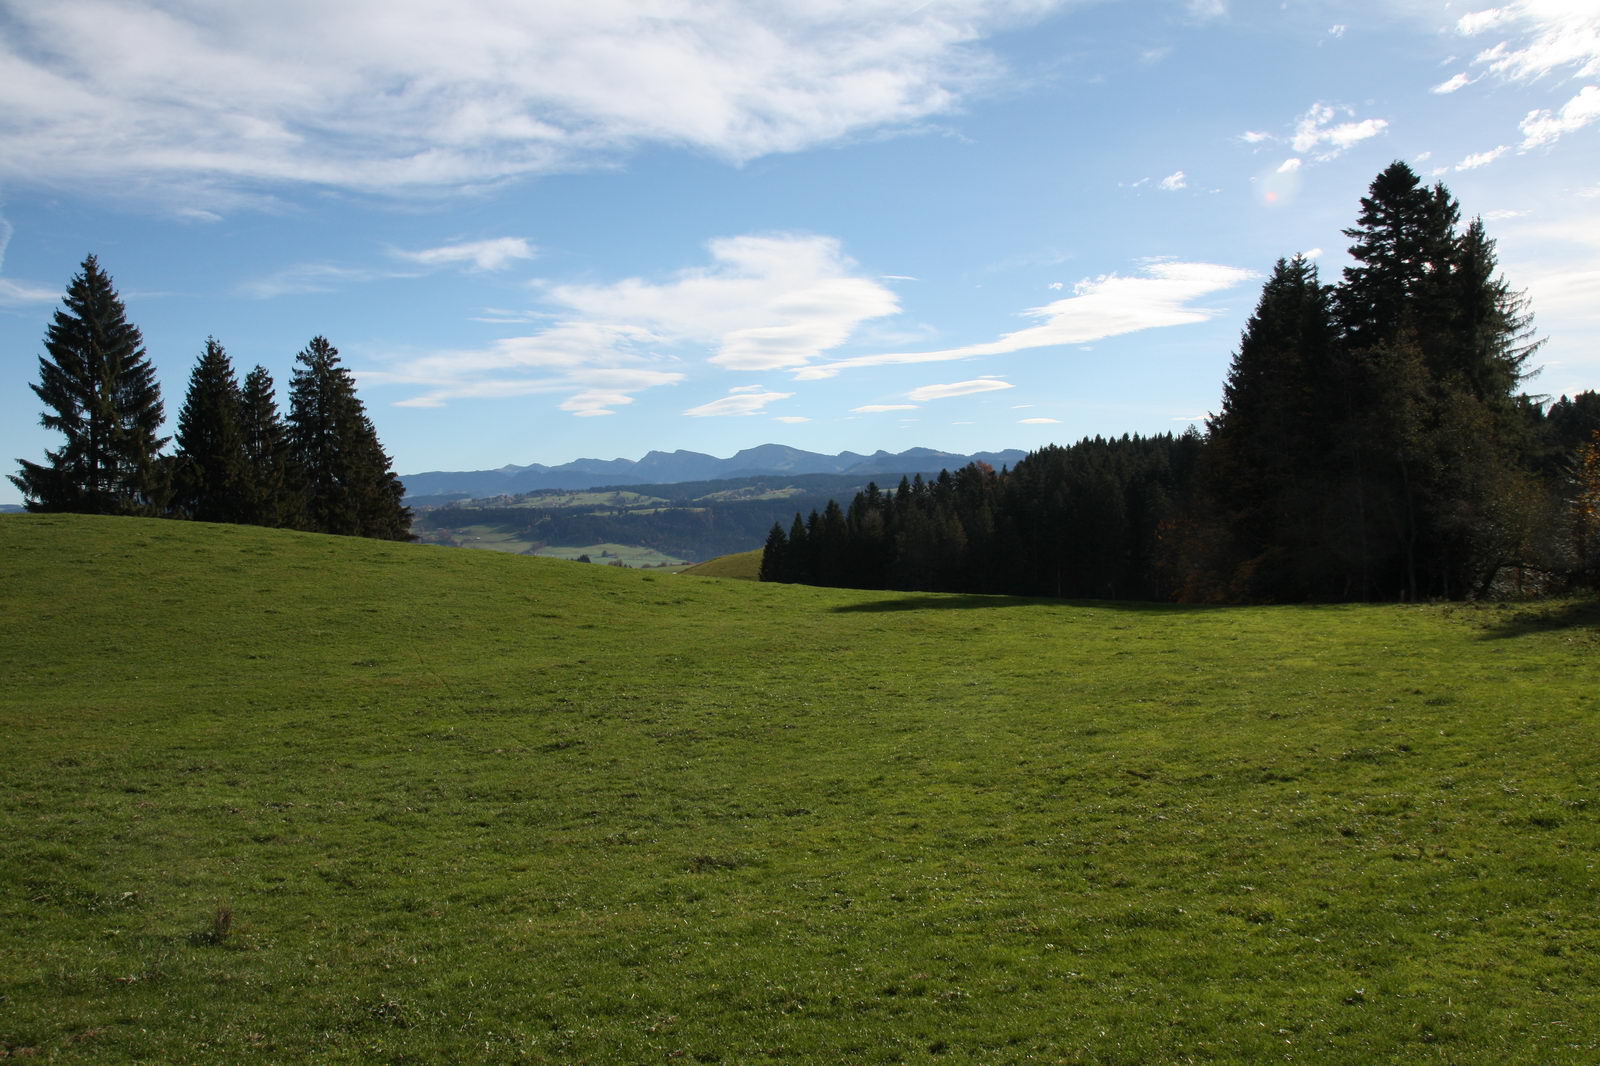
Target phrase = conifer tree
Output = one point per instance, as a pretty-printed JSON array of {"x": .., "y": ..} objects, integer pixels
[
  {"x": 270, "y": 499},
  {"x": 211, "y": 470},
  {"x": 100, "y": 391},
  {"x": 774, "y": 561},
  {"x": 344, "y": 475}
]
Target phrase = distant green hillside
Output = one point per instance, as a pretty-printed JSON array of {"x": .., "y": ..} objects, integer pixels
[
  {"x": 698, "y": 520},
  {"x": 274, "y": 797},
  {"x": 745, "y": 566}
]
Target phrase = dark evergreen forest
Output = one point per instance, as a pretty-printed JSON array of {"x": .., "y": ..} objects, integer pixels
[
  {"x": 1373, "y": 443},
  {"x": 235, "y": 457}
]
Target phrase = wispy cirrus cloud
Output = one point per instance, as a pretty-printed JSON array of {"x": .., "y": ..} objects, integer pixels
[
  {"x": 494, "y": 254},
  {"x": 1538, "y": 39},
  {"x": 879, "y": 408},
  {"x": 302, "y": 278},
  {"x": 209, "y": 104},
  {"x": 742, "y": 401},
  {"x": 958, "y": 388},
  {"x": 14, "y": 293},
  {"x": 1107, "y": 306}
]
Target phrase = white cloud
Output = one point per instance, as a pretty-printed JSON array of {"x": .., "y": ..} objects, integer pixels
[
  {"x": 766, "y": 303},
  {"x": 1313, "y": 130},
  {"x": 1174, "y": 181},
  {"x": 1478, "y": 21},
  {"x": 1502, "y": 214},
  {"x": 1311, "y": 253},
  {"x": 1038, "y": 421},
  {"x": 1483, "y": 159},
  {"x": 1544, "y": 127},
  {"x": 1337, "y": 30},
  {"x": 312, "y": 277},
  {"x": 1290, "y": 165},
  {"x": 1208, "y": 9},
  {"x": 14, "y": 293},
  {"x": 493, "y": 254},
  {"x": 1255, "y": 137},
  {"x": 958, "y": 388},
  {"x": 214, "y": 101},
  {"x": 738, "y": 402},
  {"x": 1555, "y": 35},
  {"x": 1460, "y": 81},
  {"x": 791, "y": 419},
  {"x": 1106, "y": 306},
  {"x": 878, "y": 408}
]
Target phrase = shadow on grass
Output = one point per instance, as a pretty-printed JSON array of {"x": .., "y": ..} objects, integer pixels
[
  {"x": 1583, "y": 614},
  {"x": 931, "y": 601}
]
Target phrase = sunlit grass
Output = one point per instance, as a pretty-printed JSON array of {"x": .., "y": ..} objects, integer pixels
[{"x": 283, "y": 798}]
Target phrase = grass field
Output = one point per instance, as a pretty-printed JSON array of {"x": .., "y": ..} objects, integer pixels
[{"x": 277, "y": 797}]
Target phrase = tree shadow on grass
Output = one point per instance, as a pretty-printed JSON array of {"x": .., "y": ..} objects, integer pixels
[
  {"x": 1541, "y": 618},
  {"x": 932, "y": 601}
]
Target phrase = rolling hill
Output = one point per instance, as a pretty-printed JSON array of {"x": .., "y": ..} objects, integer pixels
[{"x": 280, "y": 797}]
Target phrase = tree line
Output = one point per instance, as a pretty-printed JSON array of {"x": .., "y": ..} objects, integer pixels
[
  {"x": 1372, "y": 444},
  {"x": 235, "y": 457}
]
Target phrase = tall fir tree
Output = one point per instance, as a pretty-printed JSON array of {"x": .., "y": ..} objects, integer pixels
[
  {"x": 270, "y": 498},
  {"x": 100, "y": 391},
  {"x": 1266, "y": 466},
  {"x": 211, "y": 469},
  {"x": 344, "y": 476}
]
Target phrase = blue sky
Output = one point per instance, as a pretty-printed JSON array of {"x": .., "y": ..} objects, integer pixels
[{"x": 543, "y": 231}]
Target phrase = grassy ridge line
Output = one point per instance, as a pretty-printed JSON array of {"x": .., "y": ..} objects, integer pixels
[
  {"x": 743, "y": 566},
  {"x": 468, "y": 806}
]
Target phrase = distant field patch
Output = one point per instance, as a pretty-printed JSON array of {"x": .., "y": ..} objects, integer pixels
[{"x": 629, "y": 555}]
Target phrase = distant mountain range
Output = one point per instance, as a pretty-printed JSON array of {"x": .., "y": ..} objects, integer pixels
[{"x": 665, "y": 468}]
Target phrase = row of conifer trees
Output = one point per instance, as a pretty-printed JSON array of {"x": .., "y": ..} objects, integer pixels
[
  {"x": 1372, "y": 444},
  {"x": 235, "y": 458}
]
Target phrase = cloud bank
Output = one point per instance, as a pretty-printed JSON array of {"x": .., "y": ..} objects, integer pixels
[
  {"x": 764, "y": 302},
  {"x": 208, "y": 103}
]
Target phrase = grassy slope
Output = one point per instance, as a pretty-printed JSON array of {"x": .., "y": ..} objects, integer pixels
[
  {"x": 472, "y": 807},
  {"x": 746, "y": 566}
]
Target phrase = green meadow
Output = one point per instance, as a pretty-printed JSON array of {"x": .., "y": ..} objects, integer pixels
[{"x": 283, "y": 798}]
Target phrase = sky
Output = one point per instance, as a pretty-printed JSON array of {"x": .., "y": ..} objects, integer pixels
[{"x": 544, "y": 231}]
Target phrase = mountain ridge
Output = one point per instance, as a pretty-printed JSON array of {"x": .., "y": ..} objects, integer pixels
[{"x": 665, "y": 468}]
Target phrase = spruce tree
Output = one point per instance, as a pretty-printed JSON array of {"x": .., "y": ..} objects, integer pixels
[
  {"x": 344, "y": 475},
  {"x": 100, "y": 392},
  {"x": 269, "y": 498},
  {"x": 1268, "y": 464},
  {"x": 774, "y": 561},
  {"x": 211, "y": 470}
]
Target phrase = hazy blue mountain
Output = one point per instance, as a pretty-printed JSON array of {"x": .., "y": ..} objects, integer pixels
[{"x": 665, "y": 468}]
